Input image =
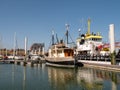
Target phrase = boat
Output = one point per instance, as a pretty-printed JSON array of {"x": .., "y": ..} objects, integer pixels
[
  {"x": 1, "y": 57},
  {"x": 90, "y": 47},
  {"x": 61, "y": 55},
  {"x": 16, "y": 57}
]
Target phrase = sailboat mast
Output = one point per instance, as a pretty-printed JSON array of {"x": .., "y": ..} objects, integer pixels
[
  {"x": 1, "y": 45},
  {"x": 14, "y": 45}
]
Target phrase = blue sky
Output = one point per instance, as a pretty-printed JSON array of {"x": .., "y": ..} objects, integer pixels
[{"x": 36, "y": 19}]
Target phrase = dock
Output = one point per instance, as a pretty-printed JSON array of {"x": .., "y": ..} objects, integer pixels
[
  {"x": 99, "y": 62},
  {"x": 22, "y": 62},
  {"x": 100, "y": 65},
  {"x": 87, "y": 62}
]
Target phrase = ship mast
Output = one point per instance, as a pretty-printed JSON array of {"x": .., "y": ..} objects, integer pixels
[
  {"x": 88, "y": 32},
  {"x": 57, "y": 38},
  {"x": 52, "y": 37},
  {"x": 67, "y": 28}
]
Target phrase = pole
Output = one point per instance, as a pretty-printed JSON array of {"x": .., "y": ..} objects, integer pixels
[
  {"x": 25, "y": 48},
  {"x": 112, "y": 43}
]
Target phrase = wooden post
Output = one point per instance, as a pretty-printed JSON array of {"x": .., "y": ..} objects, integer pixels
[{"x": 112, "y": 57}]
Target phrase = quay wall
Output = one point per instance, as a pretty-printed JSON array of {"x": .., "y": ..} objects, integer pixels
[{"x": 101, "y": 65}]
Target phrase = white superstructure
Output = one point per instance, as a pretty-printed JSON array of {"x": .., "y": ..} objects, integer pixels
[
  {"x": 60, "y": 51},
  {"x": 89, "y": 43}
]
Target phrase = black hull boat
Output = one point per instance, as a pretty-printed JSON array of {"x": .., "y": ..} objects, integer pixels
[
  {"x": 64, "y": 63},
  {"x": 61, "y": 54}
]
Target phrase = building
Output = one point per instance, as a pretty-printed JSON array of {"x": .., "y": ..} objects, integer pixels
[
  {"x": 117, "y": 46},
  {"x": 37, "y": 48}
]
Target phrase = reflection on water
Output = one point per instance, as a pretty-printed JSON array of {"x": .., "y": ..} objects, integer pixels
[
  {"x": 61, "y": 79},
  {"x": 83, "y": 78},
  {"x": 24, "y": 78},
  {"x": 88, "y": 79},
  {"x": 17, "y": 77}
]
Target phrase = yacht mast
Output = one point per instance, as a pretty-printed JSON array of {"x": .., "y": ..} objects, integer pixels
[
  {"x": 1, "y": 45},
  {"x": 14, "y": 45}
]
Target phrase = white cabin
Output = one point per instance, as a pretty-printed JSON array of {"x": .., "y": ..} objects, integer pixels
[{"x": 60, "y": 51}]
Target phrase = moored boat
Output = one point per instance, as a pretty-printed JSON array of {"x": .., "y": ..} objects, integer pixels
[
  {"x": 90, "y": 47},
  {"x": 60, "y": 55}
]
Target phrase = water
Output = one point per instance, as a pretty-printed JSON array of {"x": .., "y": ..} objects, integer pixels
[{"x": 18, "y": 77}]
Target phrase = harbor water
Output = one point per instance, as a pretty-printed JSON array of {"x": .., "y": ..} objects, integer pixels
[{"x": 42, "y": 77}]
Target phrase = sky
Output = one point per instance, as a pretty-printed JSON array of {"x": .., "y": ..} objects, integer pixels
[{"x": 35, "y": 19}]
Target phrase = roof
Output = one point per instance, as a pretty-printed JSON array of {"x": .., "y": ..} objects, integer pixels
[{"x": 93, "y": 36}]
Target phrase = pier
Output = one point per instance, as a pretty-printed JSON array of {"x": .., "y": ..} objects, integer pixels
[
  {"x": 99, "y": 61},
  {"x": 22, "y": 62},
  {"x": 101, "y": 65}
]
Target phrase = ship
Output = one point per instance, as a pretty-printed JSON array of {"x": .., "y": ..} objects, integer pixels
[
  {"x": 91, "y": 49},
  {"x": 90, "y": 43},
  {"x": 60, "y": 54}
]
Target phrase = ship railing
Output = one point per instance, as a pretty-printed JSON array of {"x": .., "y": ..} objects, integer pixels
[{"x": 92, "y": 57}]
